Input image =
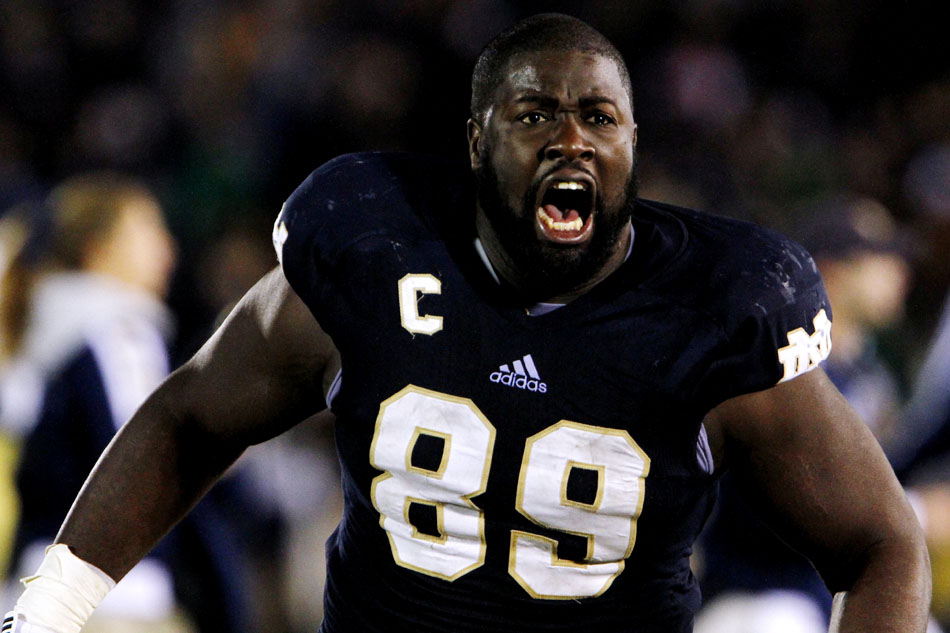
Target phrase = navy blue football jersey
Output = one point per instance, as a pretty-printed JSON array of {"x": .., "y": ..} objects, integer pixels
[{"x": 507, "y": 472}]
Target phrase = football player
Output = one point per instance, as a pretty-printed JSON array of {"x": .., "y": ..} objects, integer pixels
[{"x": 536, "y": 378}]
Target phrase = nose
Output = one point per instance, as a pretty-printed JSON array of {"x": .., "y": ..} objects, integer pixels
[{"x": 569, "y": 141}]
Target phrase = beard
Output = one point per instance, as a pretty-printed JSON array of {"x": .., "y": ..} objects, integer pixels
[{"x": 547, "y": 269}]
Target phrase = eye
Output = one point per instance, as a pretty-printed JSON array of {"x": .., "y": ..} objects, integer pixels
[
  {"x": 600, "y": 119},
  {"x": 533, "y": 118}
]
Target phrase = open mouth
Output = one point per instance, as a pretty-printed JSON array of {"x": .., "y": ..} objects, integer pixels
[{"x": 565, "y": 210}]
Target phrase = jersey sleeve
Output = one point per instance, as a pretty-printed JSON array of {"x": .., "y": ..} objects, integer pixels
[
  {"x": 776, "y": 320},
  {"x": 336, "y": 207},
  {"x": 351, "y": 226},
  {"x": 304, "y": 217}
]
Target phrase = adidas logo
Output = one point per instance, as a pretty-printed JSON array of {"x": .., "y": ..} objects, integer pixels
[{"x": 525, "y": 376}]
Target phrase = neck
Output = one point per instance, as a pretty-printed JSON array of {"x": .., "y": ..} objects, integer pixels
[{"x": 525, "y": 284}]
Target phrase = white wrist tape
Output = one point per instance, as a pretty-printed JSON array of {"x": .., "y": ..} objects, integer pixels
[
  {"x": 64, "y": 591},
  {"x": 14, "y": 623}
]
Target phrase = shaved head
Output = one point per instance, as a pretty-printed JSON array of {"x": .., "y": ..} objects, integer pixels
[{"x": 542, "y": 32}]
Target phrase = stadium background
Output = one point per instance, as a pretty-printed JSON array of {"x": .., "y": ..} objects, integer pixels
[{"x": 746, "y": 108}]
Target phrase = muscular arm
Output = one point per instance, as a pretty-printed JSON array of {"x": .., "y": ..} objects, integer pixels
[
  {"x": 262, "y": 372},
  {"x": 811, "y": 465}
]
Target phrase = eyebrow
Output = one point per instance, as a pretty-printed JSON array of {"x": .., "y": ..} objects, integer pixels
[
  {"x": 540, "y": 99},
  {"x": 550, "y": 102},
  {"x": 595, "y": 100}
]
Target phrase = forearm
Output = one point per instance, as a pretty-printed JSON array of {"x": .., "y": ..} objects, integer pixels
[
  {"x": 154, "y": 471},
  {"x": 892, "y": 593},
  {"x": 816, "y": 471}
]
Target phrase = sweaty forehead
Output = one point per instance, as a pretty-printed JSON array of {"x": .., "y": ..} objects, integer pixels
[{"x": 562, "y": 74}]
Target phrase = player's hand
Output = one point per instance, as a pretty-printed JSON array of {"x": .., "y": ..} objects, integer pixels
[{"x": 15, "y": 623}]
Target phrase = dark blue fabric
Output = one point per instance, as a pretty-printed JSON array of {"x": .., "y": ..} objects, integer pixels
[{"x": 696, "y": 315}]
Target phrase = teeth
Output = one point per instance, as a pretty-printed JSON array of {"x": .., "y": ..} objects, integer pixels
[
  {"x": 574, "y": 225},
  {"x": 571, "y": 185}
]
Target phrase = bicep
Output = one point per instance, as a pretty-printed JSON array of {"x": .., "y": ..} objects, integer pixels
[
  {"x": 262, "y": 371},
  {"x": 811, "y": 465}
]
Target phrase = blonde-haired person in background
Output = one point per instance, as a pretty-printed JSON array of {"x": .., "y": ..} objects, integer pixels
[
  {"x": 98, "y": 251},
  {"x": 15, "y": 229},
  {"x": 85, "y": 340}
]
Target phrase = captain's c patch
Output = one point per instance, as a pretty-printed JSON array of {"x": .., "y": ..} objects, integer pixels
[{"x": 410, "y": 287}]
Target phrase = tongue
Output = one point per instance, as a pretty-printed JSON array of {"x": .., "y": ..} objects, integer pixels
[{"x": 555, "y": 214}]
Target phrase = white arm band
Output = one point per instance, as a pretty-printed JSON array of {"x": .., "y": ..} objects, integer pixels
[{"x": 63, "y": 593}]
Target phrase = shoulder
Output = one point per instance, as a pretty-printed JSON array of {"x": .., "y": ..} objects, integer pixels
[
  {"x": 760, "y": 290},
  {"x": 360, "y": 214},
  {"x": 734, "y": 264},
  {"x": 372, "y": 182},
  {"x": 356, "y": 195}
]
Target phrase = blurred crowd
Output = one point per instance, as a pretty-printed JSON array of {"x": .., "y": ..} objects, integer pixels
[{"x": 145, "y": 149}]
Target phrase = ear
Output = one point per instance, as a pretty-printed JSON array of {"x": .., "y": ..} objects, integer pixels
[
  {"x": 634, "y": 134},
  {"x": 474, "y": 143}
]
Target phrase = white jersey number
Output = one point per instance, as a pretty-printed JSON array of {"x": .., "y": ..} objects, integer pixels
[
  {"x": 614, "y": 467},
  {"x": 461, "y": 473}
]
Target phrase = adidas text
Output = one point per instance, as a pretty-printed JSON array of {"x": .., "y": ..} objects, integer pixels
[
  {"x": 521, "y": 382},
  {"x": 525, "y": 375}
]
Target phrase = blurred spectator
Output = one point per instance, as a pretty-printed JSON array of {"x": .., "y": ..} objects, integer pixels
[
  {"x": 93, "y": 345},
  {"x": 297, "y": 476},
  {"x": 753, "y": 580},
  {"x": 94, "y": 321},
  {"x": 69, "y": 273},
  {"x": 921, "y": 454},
  {"x": 708, "y": 87},
  {"x": 926, "y": 437},
  {"x": 293, "y": 478},
  {"x": 863, "y": 257},
  {"x": 922, "y": 458},
  {"x": 15, "y": 229},
  {"x": 927, "y": 416}
]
